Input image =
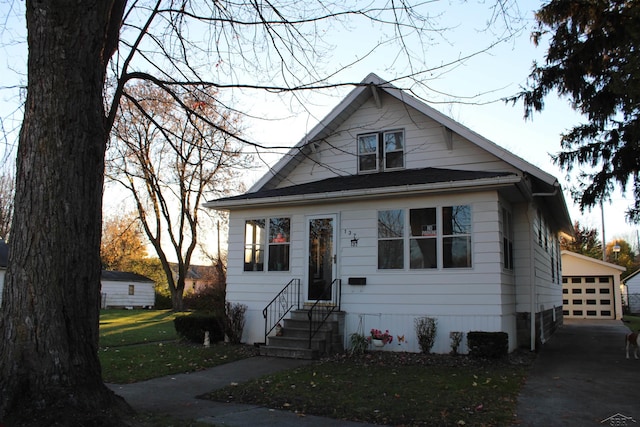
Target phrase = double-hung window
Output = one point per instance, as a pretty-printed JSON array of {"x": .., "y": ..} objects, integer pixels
[
  {"x": 423, "y": 243},
  {"x": 277, "y": 248},
  {"x": 380, "y": 151},
  {"x": 456, "y": 236},
  {"x": 254, "y": 234},
  {"x": 391, "y": 239},
  {"x": 279, "y": 244}
]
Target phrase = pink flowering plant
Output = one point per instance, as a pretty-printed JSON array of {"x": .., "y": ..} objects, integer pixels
[{"x": 385, "y": 337}]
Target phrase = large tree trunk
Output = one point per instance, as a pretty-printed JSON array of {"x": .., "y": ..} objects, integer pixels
[{"x": 50, "y": 371}]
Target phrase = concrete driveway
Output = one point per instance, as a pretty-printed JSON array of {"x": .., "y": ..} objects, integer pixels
[{"x": 582, "y": 378}]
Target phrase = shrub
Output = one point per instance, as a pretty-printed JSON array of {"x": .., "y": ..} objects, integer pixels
[
  {"x": 426, "y": 329},
  {"x": 456, "y": 339},
  {"x": 234, "y": 321},
  {"x": 491, "y": 345},
  {"x": 163, "y": 301},
  {"x": 193, "y": 326},
  {"x": 210, "y": 297},
  {"x": 358, "y": 344}
]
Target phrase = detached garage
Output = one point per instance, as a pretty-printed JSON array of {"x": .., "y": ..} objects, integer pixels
[
  {"x": 590, "y": 288},
  {"x": 126, "y": 290}
]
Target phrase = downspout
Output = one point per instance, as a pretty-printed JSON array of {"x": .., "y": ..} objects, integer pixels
[{"x": 532, "y": 278}]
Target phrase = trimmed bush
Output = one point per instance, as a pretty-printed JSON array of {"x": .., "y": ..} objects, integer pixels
[
  {"x": 193, "y": 326},
  {"x": 426, "y": 330},
  {"x": 456, "y": 340},
  {"x": 489, "y": 345}
]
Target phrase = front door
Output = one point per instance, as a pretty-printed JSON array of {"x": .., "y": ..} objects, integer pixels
[{"x": 322, "y": 258}]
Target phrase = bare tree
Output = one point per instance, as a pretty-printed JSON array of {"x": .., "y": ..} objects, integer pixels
[
  {"x": 84, "y": 59},
  {"x": 7, "y": 192},
  {"x": 169, "y": 159}
]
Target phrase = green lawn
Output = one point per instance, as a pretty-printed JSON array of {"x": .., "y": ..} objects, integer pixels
[
  {"x": 395, "y": 389},
  {"x": 137, "y": 345},
  {"x": 379, "y": 387},
  {"x": 632, "y": 322},
  {"x": 127, "y": 327}
]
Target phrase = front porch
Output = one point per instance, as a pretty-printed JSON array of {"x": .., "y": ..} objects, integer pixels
[{"x": 308, "y": 330}]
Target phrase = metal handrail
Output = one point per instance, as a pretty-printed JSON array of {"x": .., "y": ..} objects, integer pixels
[
  {"x": 280, "y": 305},
  {"x": 316, "y": 324}
]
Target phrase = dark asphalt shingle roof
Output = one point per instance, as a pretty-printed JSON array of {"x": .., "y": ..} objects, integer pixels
[
  {"x": 123, "y": 276},
  {"x": 374, "y": 180}
]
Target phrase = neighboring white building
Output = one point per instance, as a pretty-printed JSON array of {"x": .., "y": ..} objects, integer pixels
[
  {"x": 591, "y": 288},
  {"x": 126, "y": 290},
  {"x": 401, "y": 212},
  {"x": 632, "y": 291},
  {"x": 118, "y": 289}
]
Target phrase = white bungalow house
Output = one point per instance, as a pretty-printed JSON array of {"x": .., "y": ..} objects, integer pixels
[
  {"x": 388, "y": 211},
  {"x": 591, "y": 288}
]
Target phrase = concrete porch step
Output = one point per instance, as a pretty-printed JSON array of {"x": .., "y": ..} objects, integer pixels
[
  {"x": 290, "y": 353},
  {"x": 297, "y": 342}
]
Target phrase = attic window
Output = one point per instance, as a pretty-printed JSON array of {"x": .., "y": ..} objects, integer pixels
[{"x": 381, "y": 151}]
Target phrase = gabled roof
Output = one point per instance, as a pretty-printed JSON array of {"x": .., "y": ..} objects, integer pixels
[
  {"x": 631, "y": 276},
  {"x": 123, "y": 276},
  {"x": 593, "y": 260},
  {"x": 540, "y": 183},
  {"x": 355, "y": 99}
]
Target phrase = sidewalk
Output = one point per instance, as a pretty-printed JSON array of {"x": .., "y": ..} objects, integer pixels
[
  {"x": 175, "y": 395},
  {"x": 582, "y": 378}
]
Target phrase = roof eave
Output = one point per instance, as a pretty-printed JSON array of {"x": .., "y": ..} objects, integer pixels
[{"x": 360, "y": 194}]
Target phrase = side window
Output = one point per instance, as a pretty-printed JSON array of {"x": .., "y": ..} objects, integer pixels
[
  {"x": 423, "y": 251},
  {"x": 279, "y": 243},
  {"x": 507, "y": 240},
  {"x": 456, "y": 236},
  {"x": 254, "y": 235},
  {"x": 391, "y": 239}
]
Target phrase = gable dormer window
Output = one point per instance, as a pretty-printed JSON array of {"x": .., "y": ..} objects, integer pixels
[{"x": 380, "y": 151}]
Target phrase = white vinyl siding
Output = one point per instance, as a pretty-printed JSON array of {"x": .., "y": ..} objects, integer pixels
[
  {"x": 424, "y": 145},
  {"x": 127, "y": 294},
  {"x": 466, "y": 297}
]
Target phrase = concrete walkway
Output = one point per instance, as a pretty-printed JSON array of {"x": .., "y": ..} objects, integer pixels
[
  {"x": 581, "y": 378},
  {"x": 175, "y": 395}
]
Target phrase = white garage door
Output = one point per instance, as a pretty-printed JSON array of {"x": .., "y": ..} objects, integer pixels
[{"x": 588, "y": 297}]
